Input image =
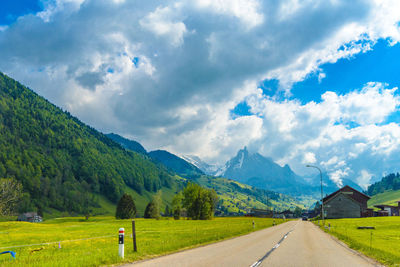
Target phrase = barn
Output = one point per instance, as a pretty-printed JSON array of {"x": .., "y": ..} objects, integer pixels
[{"x": 346, "y": 202}]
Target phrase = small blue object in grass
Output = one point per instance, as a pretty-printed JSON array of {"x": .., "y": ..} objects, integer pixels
[{"x": 12, "y": 253}]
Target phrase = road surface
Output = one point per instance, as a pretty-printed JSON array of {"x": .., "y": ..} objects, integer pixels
[{"x": 295, "y": 243}]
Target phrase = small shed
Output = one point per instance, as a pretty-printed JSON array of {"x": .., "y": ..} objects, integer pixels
[{"x": 29, "y": 217}]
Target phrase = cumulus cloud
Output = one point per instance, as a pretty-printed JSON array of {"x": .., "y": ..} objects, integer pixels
[
  {"x": 244, "y": 10},
  {"x": 169, "y": 73},
  {"x": 347, "y": 132},
  {"x": 162, "y": 22},
  {"x": 309, "y": 157}
]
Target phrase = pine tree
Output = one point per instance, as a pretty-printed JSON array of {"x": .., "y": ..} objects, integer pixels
[
  {"x": 126, "y": 208},
  {"x": 167, "y": 211},
  {"x": 152, "y": 210},
  {"x": 177, "y": 206}
]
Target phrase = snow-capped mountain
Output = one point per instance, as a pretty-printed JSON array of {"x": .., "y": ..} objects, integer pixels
[
  {"x": 259, "y": 171},
  {"x": 262, "y": 172},
  {"x": 208, "y": 169}
]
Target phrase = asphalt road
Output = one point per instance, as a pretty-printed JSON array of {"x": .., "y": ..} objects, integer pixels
[{"x": 294, "y": 243}]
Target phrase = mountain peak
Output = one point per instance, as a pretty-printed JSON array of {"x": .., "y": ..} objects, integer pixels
[
  {"x": 259, "y": 171},
  {"x": 243, "y": 151}
]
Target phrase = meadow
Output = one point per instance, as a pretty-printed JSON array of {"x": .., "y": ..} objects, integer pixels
[
  {"x": 73, "y": 241},
  {"x": 381, "y": 243}
]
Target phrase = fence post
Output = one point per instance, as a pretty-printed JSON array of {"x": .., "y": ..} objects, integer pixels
[
  {"x": 370, "y": 241},
  {"x": 121, "y": 242},
  {"x": 134, "y": 236}
]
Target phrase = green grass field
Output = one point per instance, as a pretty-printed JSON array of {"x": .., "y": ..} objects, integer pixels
[
  {"x": 100, "y": 239},
  {"x": 382, "y": 244}
]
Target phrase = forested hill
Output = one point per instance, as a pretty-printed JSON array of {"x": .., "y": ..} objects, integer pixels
[
  {"x": 389, "y": 182},
  {"x": 61, "y": 162}
]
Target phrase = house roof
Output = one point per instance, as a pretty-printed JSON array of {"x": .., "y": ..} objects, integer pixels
[
  {"x": 385, "y": 206},
  {"x": 341, "y": 193},
  {"x": 345, "y": 189},
  {"x": 29, "y": 214}
]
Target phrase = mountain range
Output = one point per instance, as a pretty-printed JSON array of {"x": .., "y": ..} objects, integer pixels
[
  {"x": 247, "y": 168},
  {"x": 262, "y": 172},
  {"x": 235, "y": 197}
]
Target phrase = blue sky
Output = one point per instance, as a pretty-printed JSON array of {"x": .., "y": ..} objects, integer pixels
[
  {"x": 302, "y": 82},
  {"x": 11, "y": 10},
  {"x": 347, "y": 74},
  {"x": 379, "y": 65}
]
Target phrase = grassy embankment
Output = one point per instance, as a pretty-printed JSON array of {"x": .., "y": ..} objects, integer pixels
[
  {"x": 389, "y": 198},
  {"x": 382, "y": 244},
  {"x": 154, "y": 237}
]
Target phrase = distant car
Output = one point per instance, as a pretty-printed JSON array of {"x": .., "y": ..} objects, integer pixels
[{"x": 304, "y": 218}]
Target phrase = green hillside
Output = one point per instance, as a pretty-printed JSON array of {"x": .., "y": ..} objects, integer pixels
[
  {"x": 65, "y": 165},
  {"x": 389, "y": 182},
  {"x": 389, "y": 198}
]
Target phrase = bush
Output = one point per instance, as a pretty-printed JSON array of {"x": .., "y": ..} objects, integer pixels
[{"x": 126, "y": 208}]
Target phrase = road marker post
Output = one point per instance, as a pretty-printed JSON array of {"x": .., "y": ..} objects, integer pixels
[
  {"x": 134, "y": 236},
  {"x": 121, "y": 242}
]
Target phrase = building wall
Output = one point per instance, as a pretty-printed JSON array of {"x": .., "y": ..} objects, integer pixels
[
  {"x": 340, "y": 206},
  {"x": 356, "y": 196}
]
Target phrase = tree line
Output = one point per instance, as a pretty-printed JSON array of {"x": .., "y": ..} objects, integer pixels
[
  {"x": 389, "y": 182},
  {"x": 194, "y": 202}
]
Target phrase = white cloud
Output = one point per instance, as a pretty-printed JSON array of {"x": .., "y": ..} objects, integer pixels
[
  {"x": 54, "y": 7},
  {"x": 246, "y": 11},
  {"x": 343, "y": 131},
  {"x": 309, "y": 157},
  {"x": 163, "y": 22},
  {"x": 168, "y": 74},
  {"x": 364, "y": 180}
]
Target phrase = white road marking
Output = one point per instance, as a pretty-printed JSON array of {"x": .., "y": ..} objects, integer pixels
[{"x": 257, "y": 263}]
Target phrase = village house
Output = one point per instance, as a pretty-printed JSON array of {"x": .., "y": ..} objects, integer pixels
[
  {"x": 346, "y": 203},
  {"x": 388, "y": 210},
  {"x": 261, "y": 213},
  {"x": 29, "y": 217},
  {"x": 286, "y": 214}
]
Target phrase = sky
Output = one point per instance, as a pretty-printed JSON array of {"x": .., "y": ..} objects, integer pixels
[{"x": 300, "y": 81}]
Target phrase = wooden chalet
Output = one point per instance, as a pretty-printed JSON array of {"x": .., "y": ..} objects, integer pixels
[{"x": 346, "y": 202}]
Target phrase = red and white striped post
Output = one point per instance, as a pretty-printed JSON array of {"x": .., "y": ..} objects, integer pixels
[{"x": 121, "y": 242}]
